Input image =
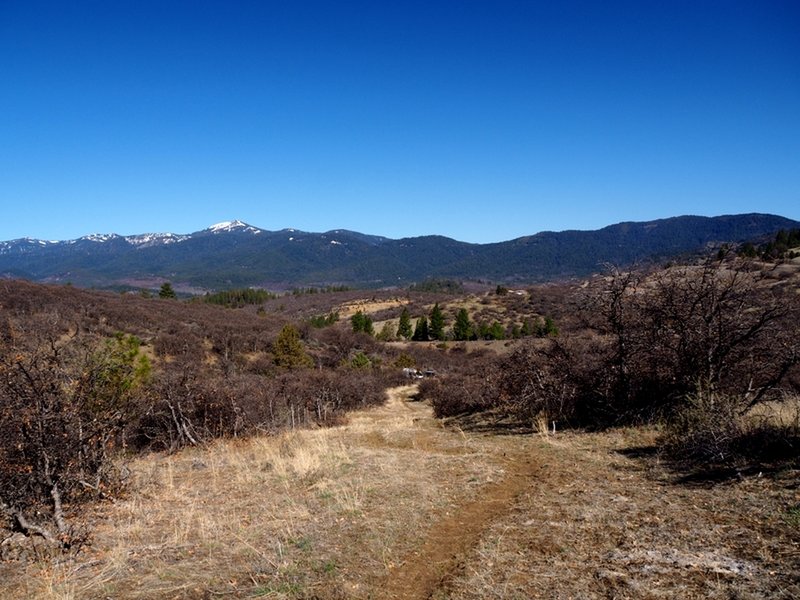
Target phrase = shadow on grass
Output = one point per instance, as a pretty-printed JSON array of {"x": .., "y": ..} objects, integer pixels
[
  {"x": 721, "y": 475},
  {"x": 699, "y": 472},
  {"x": 649, "y": 451},
  {"x": 488, "y": 422}
]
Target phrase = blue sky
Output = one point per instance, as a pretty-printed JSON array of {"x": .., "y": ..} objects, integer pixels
[{"x": 482, "y": 121}]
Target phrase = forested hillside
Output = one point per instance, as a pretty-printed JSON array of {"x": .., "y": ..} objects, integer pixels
[{"x": 241, "y": 255}]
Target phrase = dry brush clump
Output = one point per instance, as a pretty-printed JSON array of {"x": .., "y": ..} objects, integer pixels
[
  {"x": 701, "y": 347},
  {"x": 714, "y": 325},
  {"x": 186, "y": 407},
  {"x": 464, "y": 383},
  {"x": 454, "y": 395}
]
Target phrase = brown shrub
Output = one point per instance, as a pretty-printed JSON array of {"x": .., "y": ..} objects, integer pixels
[{"x": 453, "y": 395}]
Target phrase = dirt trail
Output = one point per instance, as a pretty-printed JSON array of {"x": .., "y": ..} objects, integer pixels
[{"x": 428, "y": 568}]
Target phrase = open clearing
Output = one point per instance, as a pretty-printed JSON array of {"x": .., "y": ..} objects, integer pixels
[{"x": 394, "y": 505}]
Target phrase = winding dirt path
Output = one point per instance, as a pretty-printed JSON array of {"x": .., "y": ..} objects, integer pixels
[{"x": 428, "y": 568}]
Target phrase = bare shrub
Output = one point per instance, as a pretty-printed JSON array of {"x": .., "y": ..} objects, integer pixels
[
  {"x": 64, "y": 404},
  {"x": 469, "y": 387},
  {"x": 186, "y": 407},
  {"x": 189, "y": 408},
  {"x": 335, "y": 345},
  {"x": 537, "y": 382},
  {"x": 710, "y": 429},
  {"x": 713, "y": 325},
  {"x": 705, "y": 428},
  {"x": 453, "y": 395}
]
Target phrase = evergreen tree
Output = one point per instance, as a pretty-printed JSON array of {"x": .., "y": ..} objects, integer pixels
[
  {"x": 360, "y": 361},
  {"x": 362, "y": 323},
  {"x": 166, "y": 291},
  {"x": 748, "y": 250},
  {"x": 405, "y": 361},
  {"x": 496, "y": 331},
  {"x": 550, "y": 327},
  {"x": 546, "y": 327},
  {"x": 437, "y": 323},
  {"x": 320, "y": 321},
  {"x": 462, "y": 329},
  {"x": 421, "y": 330},
  {"x": 526, "y": 328},
  {"x": 404, "y": 328},
  {"x": 288, "y": 350},
  {"x": 387, "y": 333}
]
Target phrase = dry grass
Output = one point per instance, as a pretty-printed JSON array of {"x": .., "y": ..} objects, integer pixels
[
  {"x": 348, "y": 309},
  {"x": 322, "y": 512},
  {"x": 602, "y": 524},
  {"x": 782, "y": 414},
  {"x": 392, "y": 505}
]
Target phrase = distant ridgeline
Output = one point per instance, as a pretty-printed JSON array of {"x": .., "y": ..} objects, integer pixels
[{"x": 236, "y": 255}]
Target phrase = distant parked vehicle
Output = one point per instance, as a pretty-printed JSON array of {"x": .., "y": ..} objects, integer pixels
[
  {"x": 417, "y": 374},
  {"x": 412, "y": 373}
]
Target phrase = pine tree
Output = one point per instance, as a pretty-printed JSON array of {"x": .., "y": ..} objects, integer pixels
[
  {"x": 362, "y": 323},
  {"x": 497, "y": 331},
  {"x": 527, "y": 329},
  {"x": 404, "y": 328},
  {"x": 437, "y": 323},
  {"x": 462, "y": 329},
  {"x": 421, "y": 330},
  {"x": 546, "y": 327},
  {"x": 166, "y": 291},
  {"x": 550, "y": 327},
  {"x": 387, "y": 332},
  {"x": 288, "y": 350}
]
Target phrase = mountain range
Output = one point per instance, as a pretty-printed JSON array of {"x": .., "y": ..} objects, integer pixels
[{"x": 235, "y": 254}]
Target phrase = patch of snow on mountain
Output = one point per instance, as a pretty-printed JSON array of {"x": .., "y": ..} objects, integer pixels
[
  {"x": 99, "y": 237},
  {"x": 22, "y": 245},
  {"x": 335, "y": 243},
  {"x": 146, "y": 240}
]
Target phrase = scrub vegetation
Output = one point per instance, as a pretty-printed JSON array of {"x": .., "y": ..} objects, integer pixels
[{"x": 631, "y": 435}]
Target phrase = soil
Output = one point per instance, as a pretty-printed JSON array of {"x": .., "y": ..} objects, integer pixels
[{"x": 431, "y": 566}]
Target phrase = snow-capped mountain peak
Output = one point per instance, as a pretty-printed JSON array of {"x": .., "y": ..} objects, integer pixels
[{"x": 228, "y": 226}]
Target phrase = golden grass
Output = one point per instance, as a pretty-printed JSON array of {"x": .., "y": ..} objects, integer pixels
[
  {"x": 302, "y": 513},
  {"x": 392, "y": 505},
  {"x": 603, "y": 525},
  {"x": 348, "y": 309},
  {"x": 785, "y": 413}
]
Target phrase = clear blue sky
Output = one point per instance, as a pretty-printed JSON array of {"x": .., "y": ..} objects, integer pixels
[{"x": 482, "y": 121}]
